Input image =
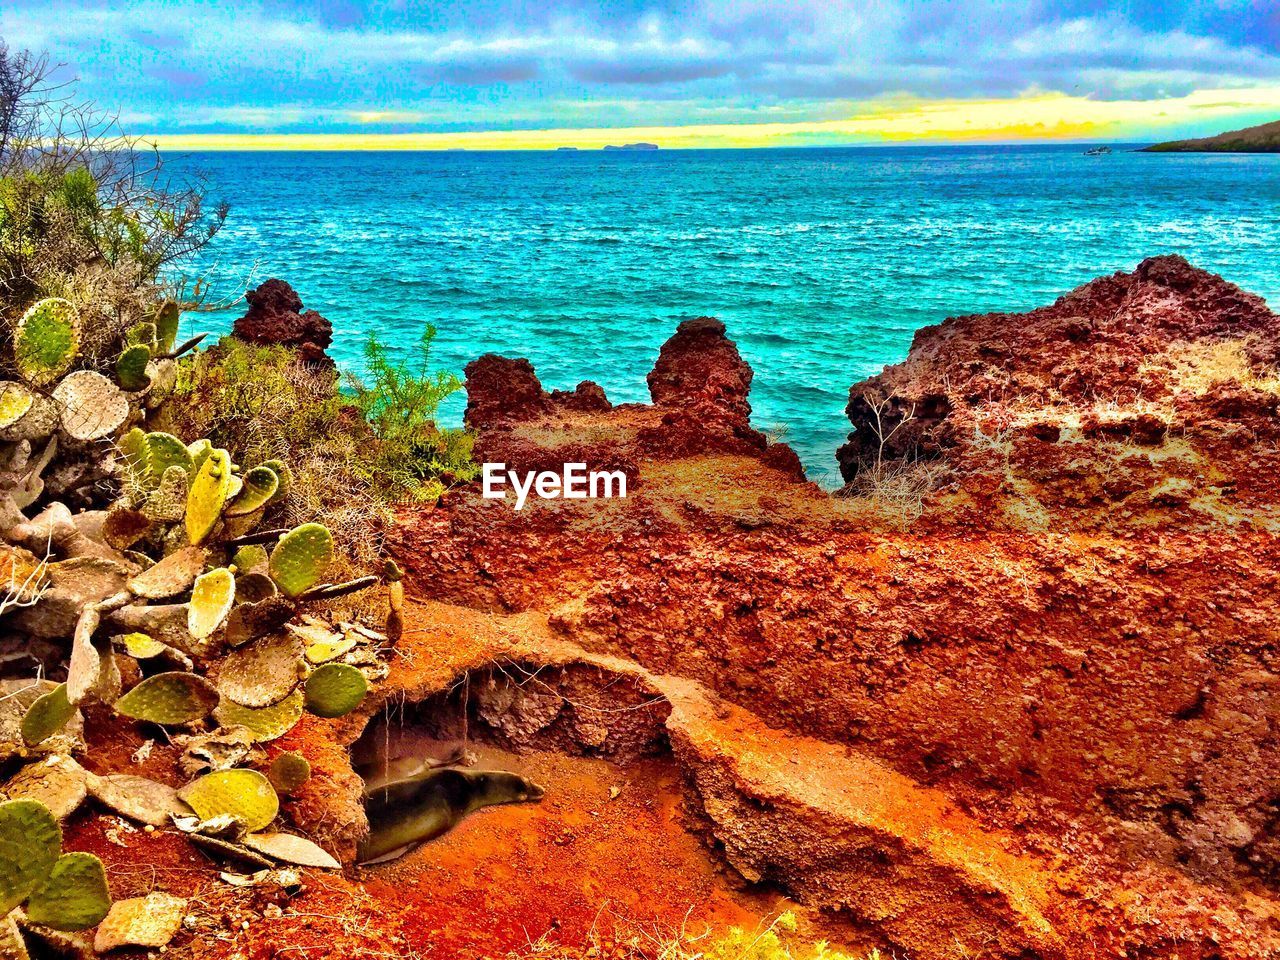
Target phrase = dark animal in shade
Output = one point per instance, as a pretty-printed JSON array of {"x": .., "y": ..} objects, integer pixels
[{"x": 408, "y": 812}]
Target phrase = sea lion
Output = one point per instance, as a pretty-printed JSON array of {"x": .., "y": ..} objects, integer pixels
[
  {"x": 381, "y": 772},
  {"x": 408, "y": 812}
]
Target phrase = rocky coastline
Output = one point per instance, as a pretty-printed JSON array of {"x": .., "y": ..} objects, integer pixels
[{"x": 1011, "y": 693}]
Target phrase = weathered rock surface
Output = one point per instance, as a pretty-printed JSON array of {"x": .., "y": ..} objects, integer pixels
[
  {"x": 276, "y": 316},
  {"x": 1075, "y": 641}
]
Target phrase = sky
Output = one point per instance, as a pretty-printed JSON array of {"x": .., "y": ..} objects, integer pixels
[{"x": 701, "y": 73}]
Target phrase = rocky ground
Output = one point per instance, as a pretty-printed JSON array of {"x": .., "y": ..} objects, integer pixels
[{"x": 1013, "y": 694}]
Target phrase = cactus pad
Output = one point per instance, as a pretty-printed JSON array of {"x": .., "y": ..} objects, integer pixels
[
  {"x": 283, "y": 474},
  {"x": 141, "y": 647},
  {"x": 166, "y": 320},
  {"x": 322, "y": 651},
  {"x": 75, "y": 897},
  {"x": 30, "y": 841},
  {"x": 289, "y": 771},
  {"x": 137, "y": 798},
  {"x": 199, "y": 450},
  {"x": 244, "y": 794},
  {"x": 57, "y": 781},
  {"x": 23, "y": 415},
  {"x": 263, "y": 672},
  {"x": 170, "y": 576},
  {"x": 208, "y": 494},
  {"x": 168, "y": 504},
  {"x": 131, "y": 367},
  {"x": 265, "y": 723},
  {"x": 92, "y": 406},
  {"x": 259, "y": 486},
  {"x": 249, "y": 558},
  {"x": 143, "y": 333},
  {"x": 47, "y": 715},
  {"x": 173, "y": 697},
  {"x": 47, "y": 340},
  {"x": 149, "y": 921},
  {"x": 211, "y": 599},
  {"x": 254, "y": 587},
  {"x": 300, "y": 558},
  {"x": 335, "y": 689},
  {"x": 164, "y": 450},
  {"x": 291, "y": 849}
]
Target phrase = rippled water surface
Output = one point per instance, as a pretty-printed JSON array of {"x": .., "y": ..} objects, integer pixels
[{"x": 822, "y": 263}]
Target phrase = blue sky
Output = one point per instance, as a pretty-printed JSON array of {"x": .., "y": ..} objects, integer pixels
[{"x": 346, "y": 68}]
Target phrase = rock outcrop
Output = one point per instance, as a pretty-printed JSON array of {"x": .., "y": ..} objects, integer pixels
[
  {"x": 1051, "y": 594},
  {"x": 276, "y": 316}
]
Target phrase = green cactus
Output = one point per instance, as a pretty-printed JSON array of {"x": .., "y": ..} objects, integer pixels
[
  {"x": 322, "y": 651},
  {"x": 300, "y": 558},
  {"x": 30, "y": 841},
  {"x": 133, "y": 454},
  {"x": 249, "y": 558},
  {"x": 46, "y": 341},
  {"x": 168, "y": 504},
  {"x": 283, "y": 474},
  {"x": 244, "y": 794},
  {"x": 47, "y": 715},
  {"x": 75, "y": 897},
  {"x": 335, "y": 689},
  {"x": 263, "y": 723},
  {"x": 259, "y": 487},
  {"x": 208, "y": 495},
  {"x": 168, "y": 698},
  {"x": 131, "y": 368},
  {"x": 164, "y": 450},
  {"x": 141, "y": 333},
  {"x": 166, "y": 319},
  {"x": 212, "y": 597},
  {"x": 289, "y": 771},
  {"x": 199, "y": 450}
]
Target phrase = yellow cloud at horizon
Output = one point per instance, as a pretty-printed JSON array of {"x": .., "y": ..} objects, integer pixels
[{"x": 1049, "y": 116}]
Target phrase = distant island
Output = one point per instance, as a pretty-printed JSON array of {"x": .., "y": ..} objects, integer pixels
[
  {"x": 632, "y": 146},
  {"x": 1264, "y": 138},
  {"x": 566, "y": 149}
]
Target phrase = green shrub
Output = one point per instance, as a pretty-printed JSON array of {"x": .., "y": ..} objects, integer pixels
[{"x": 400, "y": 399}]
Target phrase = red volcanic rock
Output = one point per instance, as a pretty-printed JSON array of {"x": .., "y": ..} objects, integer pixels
[
  {"x": 701, "y": 368},
  {"x": 1057, "y": 400},
  {"x": 276, "y": 316},
  {"x": 699, "y": 384}
]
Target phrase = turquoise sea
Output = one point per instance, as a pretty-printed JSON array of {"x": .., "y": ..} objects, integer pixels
[{"x": 822, "y": 262}]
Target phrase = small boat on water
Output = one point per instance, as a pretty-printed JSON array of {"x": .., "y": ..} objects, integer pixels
[{"x": 1097, "y": 151}]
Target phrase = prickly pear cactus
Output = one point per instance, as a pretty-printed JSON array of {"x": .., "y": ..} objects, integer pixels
[
  {"x": 283, "y": 474},
  {"x": 244, "y": 794},
  {"x": 47, "y": 341},
  {"x": 335, "y": 689},
  {"x": 166, "y": 319},
  {"x": 300, "y": 558},
  {"x": 92, "y": 406},
  {"x": 75, "y": 897},
  {"x": 164, "y": 450},
  {"x": 258, "y": 487},
  {"x": 131, "y": 367},
  {"x": 47, "y": 715},
  {"x": 30, "y": 841},
  {"x": 174, "y": 697},
  {"x": 289, "y": 771},
  {"x": 211, "y": 599},
  {"x": 263, "y": 723},
  {"x": 208, "y": 495},
  {"x": 168, "y": 503}
]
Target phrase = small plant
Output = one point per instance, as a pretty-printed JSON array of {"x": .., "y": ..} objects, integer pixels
[
  {"x": 65, "y": 891},
  {"x": 400, "y": 401}
]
